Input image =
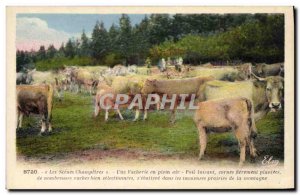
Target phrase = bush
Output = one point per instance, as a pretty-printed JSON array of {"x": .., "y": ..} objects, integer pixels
[
  {"x": 112, "y": 59},
  {"x": 59, "y": 62}
]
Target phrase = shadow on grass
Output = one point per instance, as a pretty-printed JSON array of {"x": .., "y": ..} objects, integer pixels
[{"x": 35, "y": 131}]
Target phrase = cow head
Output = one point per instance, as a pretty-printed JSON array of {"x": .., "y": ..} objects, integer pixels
[
  {"x": 244, "y": 71},
  {"x": 29, "y": 76},
  {"x": 281, "y": 73},
  {"x": 149, "y": 86},
  {"x": 259, "y": 69},
  {"x": 274, "y": 86}
]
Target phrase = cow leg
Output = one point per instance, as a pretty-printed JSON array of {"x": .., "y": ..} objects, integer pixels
[
  {"x": 49, "y": 122},
  {"x": 137, "y": 115},
  {"x": 79, "y": 88},
  {"x": 252, "y": 148},
  {"x": 158, "y": 106},
  {"x": 50, "y": 127},
  {"x": 173, "y": 112},
  {"x": 173, "y": 116},
  {"x": 106, "y": 114},
  {"x": 202, "y": 139},
  {"x": 242, "y": 143},
  {"x": 20, "y": 119},
  {"x": 43, "y": 129},
  {"x": 145, "y": 114},
  {"x": 74, "y": 88},
  {"x": 91, "y": 90},
  {"x": 120, "y": 115},
  {"x": 61, "y": 94},
  {"x": 97, "y": 109}
]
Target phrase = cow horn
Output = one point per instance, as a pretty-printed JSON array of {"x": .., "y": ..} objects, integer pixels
[{"x": 258, "y": 78}]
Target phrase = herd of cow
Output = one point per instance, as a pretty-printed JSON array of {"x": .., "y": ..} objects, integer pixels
[{"x": 226, "y": 103}]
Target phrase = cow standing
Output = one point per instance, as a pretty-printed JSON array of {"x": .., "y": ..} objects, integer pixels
[
  {"x": 266, "y": 93},
  {"x": 234, "y": 114},
  {"x": 175, "y": 87},
  {"x": 35, "y": 99}
]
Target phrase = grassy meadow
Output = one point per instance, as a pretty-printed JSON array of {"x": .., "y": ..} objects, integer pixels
[{"x": 75, "y": 130}]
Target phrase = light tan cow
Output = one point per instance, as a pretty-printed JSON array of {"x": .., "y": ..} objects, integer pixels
[
  {"x": 108, "y": 102},
  {"x": 266, "y": 93},
  {"x": 234, "y": 114}
]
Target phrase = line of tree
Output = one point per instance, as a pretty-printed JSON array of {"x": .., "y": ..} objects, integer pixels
[{"x": 198, "y": 38}]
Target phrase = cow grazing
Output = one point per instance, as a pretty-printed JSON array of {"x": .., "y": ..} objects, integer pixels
[
  {"x": 266, "y": 93},
  {"x": 265, "y": 70},
  {"x": 234, "y": 114},
  {"x": 175, "y": 86},
  {"x": 35, "y": 99},
  {"x": 60, "y": 86},
  {"x": 82, "y": 77}
]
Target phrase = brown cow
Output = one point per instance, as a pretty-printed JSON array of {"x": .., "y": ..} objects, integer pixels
[
  {"x": 175, "y": 86},
  {"x": 33, "y": 99},
  {"x": 227, "y": 114},
  {"x": 265, "y": 70}
]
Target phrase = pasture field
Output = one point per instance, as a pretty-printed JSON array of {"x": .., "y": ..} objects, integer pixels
[{"x": 77, "y": 131}]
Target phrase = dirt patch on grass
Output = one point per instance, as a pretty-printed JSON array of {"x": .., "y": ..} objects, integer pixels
[{"x": 100, "y": 154}]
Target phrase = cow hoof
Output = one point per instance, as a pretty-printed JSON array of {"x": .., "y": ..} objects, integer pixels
[{"x": 252, "y": 159}]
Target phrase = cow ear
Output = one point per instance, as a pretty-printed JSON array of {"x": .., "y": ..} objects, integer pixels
[{"x": 258, "y": 83}]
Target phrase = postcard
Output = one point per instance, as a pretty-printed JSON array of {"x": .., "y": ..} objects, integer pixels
[{"x": 150, "y": 98}]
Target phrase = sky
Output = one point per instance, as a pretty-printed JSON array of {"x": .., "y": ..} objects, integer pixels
[{"x": 33, "y": 30}]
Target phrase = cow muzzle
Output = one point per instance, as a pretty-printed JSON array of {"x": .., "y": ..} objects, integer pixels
[{"x": 275, "y": 106}]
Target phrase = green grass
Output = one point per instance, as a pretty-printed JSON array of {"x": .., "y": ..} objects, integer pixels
[{"x": 75, "y": 130}]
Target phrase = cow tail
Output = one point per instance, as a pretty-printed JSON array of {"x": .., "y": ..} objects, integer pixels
[{"x": 251, "y": 122}]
